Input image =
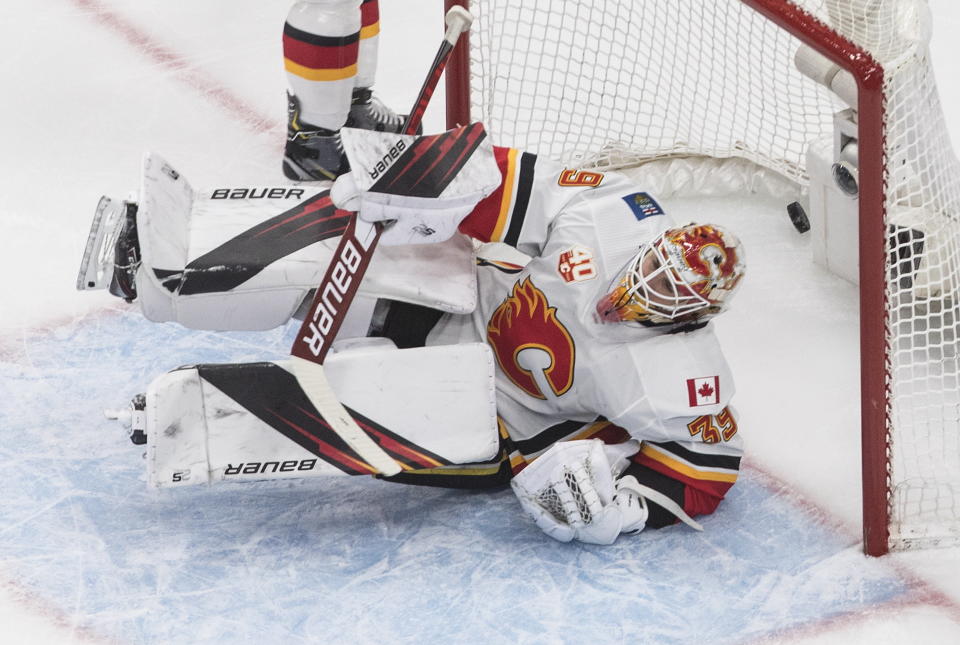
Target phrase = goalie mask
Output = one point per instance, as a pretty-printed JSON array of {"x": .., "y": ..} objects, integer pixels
[{"x": 685, "y": 274}]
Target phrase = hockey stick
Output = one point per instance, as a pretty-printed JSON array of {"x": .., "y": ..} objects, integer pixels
[{"x": 342, "y": 279}]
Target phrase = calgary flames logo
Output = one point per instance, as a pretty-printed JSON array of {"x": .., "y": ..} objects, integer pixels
[{"x": 526, "y": 321}]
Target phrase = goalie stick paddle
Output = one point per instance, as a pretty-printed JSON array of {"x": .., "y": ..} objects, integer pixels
[{"x": 342, "y": 279}]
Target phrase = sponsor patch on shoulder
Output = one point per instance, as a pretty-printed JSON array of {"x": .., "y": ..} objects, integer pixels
[
  {"x": 643, "y": 205},
  {"x": 703, "y": 391}
]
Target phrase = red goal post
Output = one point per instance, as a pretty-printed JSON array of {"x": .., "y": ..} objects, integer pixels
[{"x": 856, "y": 43}]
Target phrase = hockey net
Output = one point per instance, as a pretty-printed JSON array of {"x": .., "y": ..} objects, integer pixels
[{"x": 617, "y": 84}]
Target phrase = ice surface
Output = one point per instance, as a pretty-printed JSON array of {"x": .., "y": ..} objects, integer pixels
[
  {"x": 348, "y": 556},
  {"x": 87, "y": 554}
]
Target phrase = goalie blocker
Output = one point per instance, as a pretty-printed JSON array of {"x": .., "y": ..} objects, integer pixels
[{"x": 429, "y": 409}]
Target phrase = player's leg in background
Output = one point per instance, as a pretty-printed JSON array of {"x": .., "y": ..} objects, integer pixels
[
  {"x": 330, "y": 55},
  {"x": 366, "y": 110},
  {"x": 321, "y": 43}
]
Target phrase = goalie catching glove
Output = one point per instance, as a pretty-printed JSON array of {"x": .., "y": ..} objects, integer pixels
[
  {"x": 423, "y": 186},
  {"x": 571, "y": 492}
]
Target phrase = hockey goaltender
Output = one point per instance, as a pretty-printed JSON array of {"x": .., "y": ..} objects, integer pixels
[{"x": 522, "y": 323}]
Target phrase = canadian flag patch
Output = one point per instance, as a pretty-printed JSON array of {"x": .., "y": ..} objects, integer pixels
[{"x": 703, "y": 391}]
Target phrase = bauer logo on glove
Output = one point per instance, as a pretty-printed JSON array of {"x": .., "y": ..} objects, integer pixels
[{"x": 424, "y": 186}]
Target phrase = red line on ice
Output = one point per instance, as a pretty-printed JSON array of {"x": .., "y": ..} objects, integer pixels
[
  {"x": 37, "y": 607},
  {"x": 822, "y": 627},
  {"x": 920, "y": 592},
  {"x": 11, "y": 347},
  {"x": 180, "y": 65},
  {"x": 15, "y": 346}
]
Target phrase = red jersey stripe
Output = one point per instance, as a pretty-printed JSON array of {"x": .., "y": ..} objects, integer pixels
[{"x": 319, "y": 57}]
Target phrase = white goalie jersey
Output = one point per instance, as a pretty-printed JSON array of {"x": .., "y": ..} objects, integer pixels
[
  {"x": 223, "y": 260},
  {"x": 562, "y": 373}
]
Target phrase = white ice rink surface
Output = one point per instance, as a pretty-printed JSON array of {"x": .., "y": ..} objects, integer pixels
[{"x": 87, "y": 555}]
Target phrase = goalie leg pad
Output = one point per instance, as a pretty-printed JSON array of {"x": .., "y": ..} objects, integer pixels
[
  {"x": 426, "y": 407},
  {"x": 245, "y": 258}
]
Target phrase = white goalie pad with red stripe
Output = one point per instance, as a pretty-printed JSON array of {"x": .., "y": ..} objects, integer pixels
[
  {"x": 244, "y": 258},
  {"x": 427, "y": 408}
]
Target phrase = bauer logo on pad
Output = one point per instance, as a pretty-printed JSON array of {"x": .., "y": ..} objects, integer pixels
[
  {"x": 643, "y": 205},
  {"x": 703, "y": 391}
]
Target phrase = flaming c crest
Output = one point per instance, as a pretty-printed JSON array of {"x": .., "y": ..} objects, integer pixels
[{"x": 526, "y": 320}]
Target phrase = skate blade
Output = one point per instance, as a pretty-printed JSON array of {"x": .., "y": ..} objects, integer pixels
[{"x": 96, "y": 268}]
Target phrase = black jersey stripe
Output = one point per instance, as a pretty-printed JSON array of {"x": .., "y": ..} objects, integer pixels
[
  {"x": 700, "y": 459},
  {"x": 551, "y": 435},
  {"x": 672, "y": 488},
  {"x": 499, "y": 266},
  {"x": 494, "y": 474},
  {"x": 319, "y": 41},
  {"x": 522, "y": 201}
]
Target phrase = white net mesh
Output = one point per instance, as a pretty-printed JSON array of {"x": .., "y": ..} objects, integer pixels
[
  {"x": 586, "y": 81},
  {"x": 921, "y": 203},
  {"x": 614, "y": 84}
]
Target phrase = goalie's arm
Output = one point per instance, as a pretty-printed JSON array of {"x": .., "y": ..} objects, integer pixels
[
  {"x": 534, "y": 193},
  {"x": 695, "y": 474},
  {"x": 493, "y": 195}
]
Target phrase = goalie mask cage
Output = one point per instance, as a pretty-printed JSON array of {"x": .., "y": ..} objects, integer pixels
[{"x": 614, "y": 84}]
